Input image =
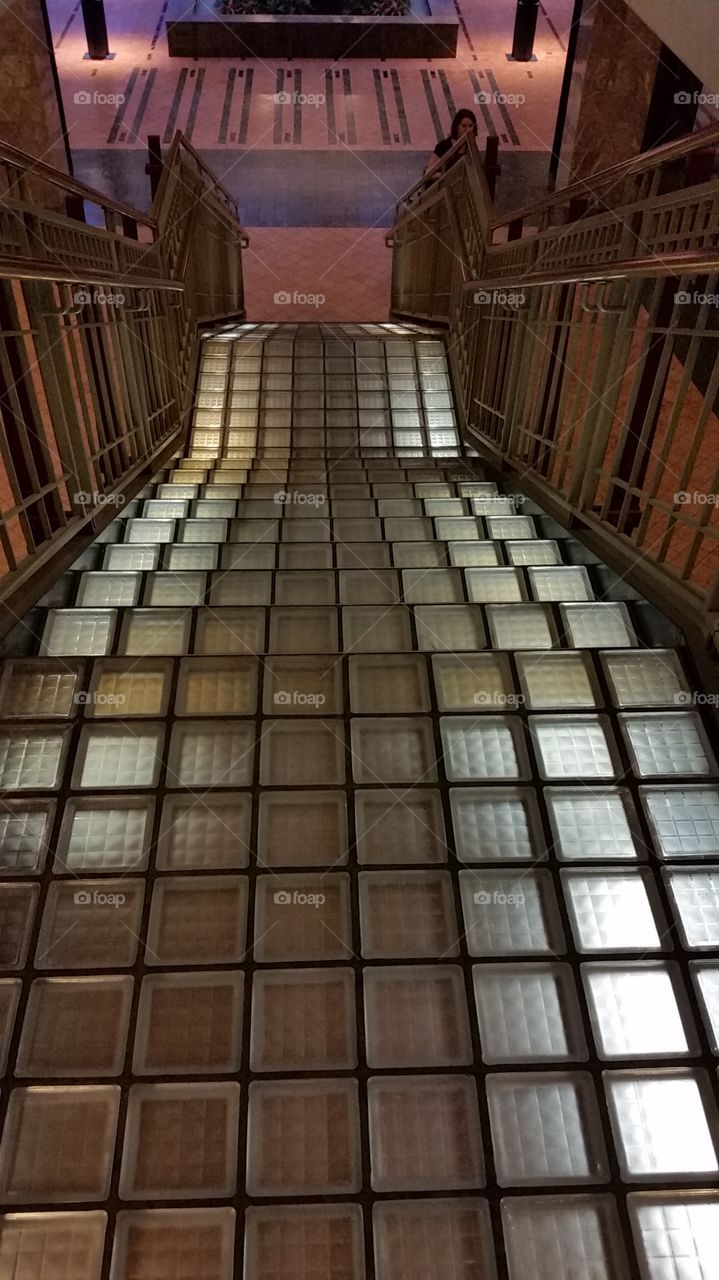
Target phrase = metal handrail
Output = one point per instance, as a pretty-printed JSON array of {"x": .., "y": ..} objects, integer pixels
[
  {"x": 40, "y": 169},
  {"x": 214, "y": 186},
  {"x": 672, "y": 264},
  {"x": 702, "y": 140},
  {"x": 23, "y": 269}
]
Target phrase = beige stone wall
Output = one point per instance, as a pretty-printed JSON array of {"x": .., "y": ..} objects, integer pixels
[{"x": 29, "y": 112}]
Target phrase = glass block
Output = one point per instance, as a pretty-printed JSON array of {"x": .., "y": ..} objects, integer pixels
[
  {"x": 562, "y": 584},
  {"x": 200, "y": 1241},
  {"x": 496, "y": 824},
  {"x": 416, "y": 1016},
  {"x": 528, "y": 1013},
  {"x": 662, "y": 1122},
  {"x": 510, "y": 526},
  {"x": 190, "y": 557},
  {"x": 303, "y": 1020},
  {"x": 369, "y": 586},
  {"x": 18, "y": 903},
  {"x": 166, "y": 508},
  {"x": 705, "y": 975},
  {"x": 153, "y": 631},
  {"x": 180, "y": 1141},
  {"x": 420, "y": 555},
  {"x": 407, "y": 915},
  {"x": 574, "y": 746},
  {"x": 10, "y": 991},
  {"x": 245, "y": 555},
  {"x": 534, "y": 552},
  {"x": 217, "y": 687},
  {"x": 469, "y": 681},
  {"x": 305, "y": 1242},
  {"x": 391, "y": 683},
  {"x": 521, "y": 626},
  {"x": 108, "y": 589},
  {"x": 450, "y": 627},
  {"x": 90, "y": 924},
  {"x": 592, "y": 825},
  {"x": 230, "y": 631},
  {"x": 400, "y": 827},
  {"x": 639, "y": 1010},
  {"x": 684, "y": 820},
  {"x": 176, "y": 588},
  {"x": 25, "y": 827},
  {"x": 424, "y": 1133},
  {"x": 39, "y": 690},
  {"x": 564, "y": 1238},
  {"x": 494, "y": 586},
  {"x": 234, "y": 587},
  {"x": 563, "y": 679},
  {"x": 211, "y": 754},
  {"x": 433, "y": 586},
  {"x": 393, "y": 749},
  {"x": 32, "y": 758},
  {"x": 302, "y": 686},
  {"x": 650, "y": 678},
  {"x": 675, "y": 1234},
  {"x": 694, "y": 892},
  {"x": 73, "y": 632},
  {"x": 304, "y": 588},
  {"x": 197, "y": 920},
  {"x": 594, "y": 626},
  {"x": 510, "y": 913},
  {"x": 479, "y": 554},
  {"x": 123, "y": 689},
  {"x": 302, "y": 917},
  {"x": 294, "y": 630},
  {"x": 303, "y": 1138},
  {"x": 302, "y": 829},
  {"x": 614, "y": 911},
  {"x": 305, "y": 555},
  {"x": 98, "y": 834},
  {"x": 410, "y": 529},
  {"x": 442, "y": 1239},
  {"x": 75, "y": 1027},
  {"x": 58, "y": 1143},
  {"x": 115, "y": 756},
  {"x": 148, "y": 531},
  {"x": 490, "y": 749},
  {"x": 302, "y": 753},
  {"x": 50, "y": 1246},
  {"x": 189, "y": 1024},
  {"x": 668, "y": 743},
  {"x": 546, "y": 1129},
  {"x": 211, "y": 833},
  {"x": 368, "y": 629},
  {"x": 459, "y": 528}
]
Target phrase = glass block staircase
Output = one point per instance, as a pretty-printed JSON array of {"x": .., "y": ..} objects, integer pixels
[{"x": 360, "y": 866}]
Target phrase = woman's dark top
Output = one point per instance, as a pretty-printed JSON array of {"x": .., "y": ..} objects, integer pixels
[{"x": 443, "y": 147}]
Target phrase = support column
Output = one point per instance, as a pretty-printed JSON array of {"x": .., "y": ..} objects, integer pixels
[{"x": 525, "y": 26}]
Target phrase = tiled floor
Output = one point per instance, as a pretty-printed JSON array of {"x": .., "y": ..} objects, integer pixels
[{"x": 360, "y": 844}]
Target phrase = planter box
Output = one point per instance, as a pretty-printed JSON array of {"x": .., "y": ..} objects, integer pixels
[{"x": 201, "y": 32}]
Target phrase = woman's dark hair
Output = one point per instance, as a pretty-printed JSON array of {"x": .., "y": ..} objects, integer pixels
[{"x": 460, "y": 116}]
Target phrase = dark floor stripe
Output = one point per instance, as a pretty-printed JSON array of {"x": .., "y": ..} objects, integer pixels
[
  {"x": 159, "y": 28},
  {"x": 68, "y": 24},
  {"x": 381, "y": 106},
  {"x": 227, "y": 105},
  {"x": 486, "y": 114},
  {"x": 120, "y": 115},
  {"x": 432, "y": 105},
  {"x": 349, "y": 107},
  {"x": 552, "y": 27},
  {"x": 279, "y": 88},
  {"x": 139, "y": 114},
  {"x": 169, "y": 133},
  {"x": 330, "y": 108},
  {"x": 502, "y": 108},
  {"x": 399, "y": 103},
  {"x": 246, "y": 104},
  {"x": 447, "y": 92},
  {"x": 194, "y": 105},
  {"x": 297, "y": 105}
]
